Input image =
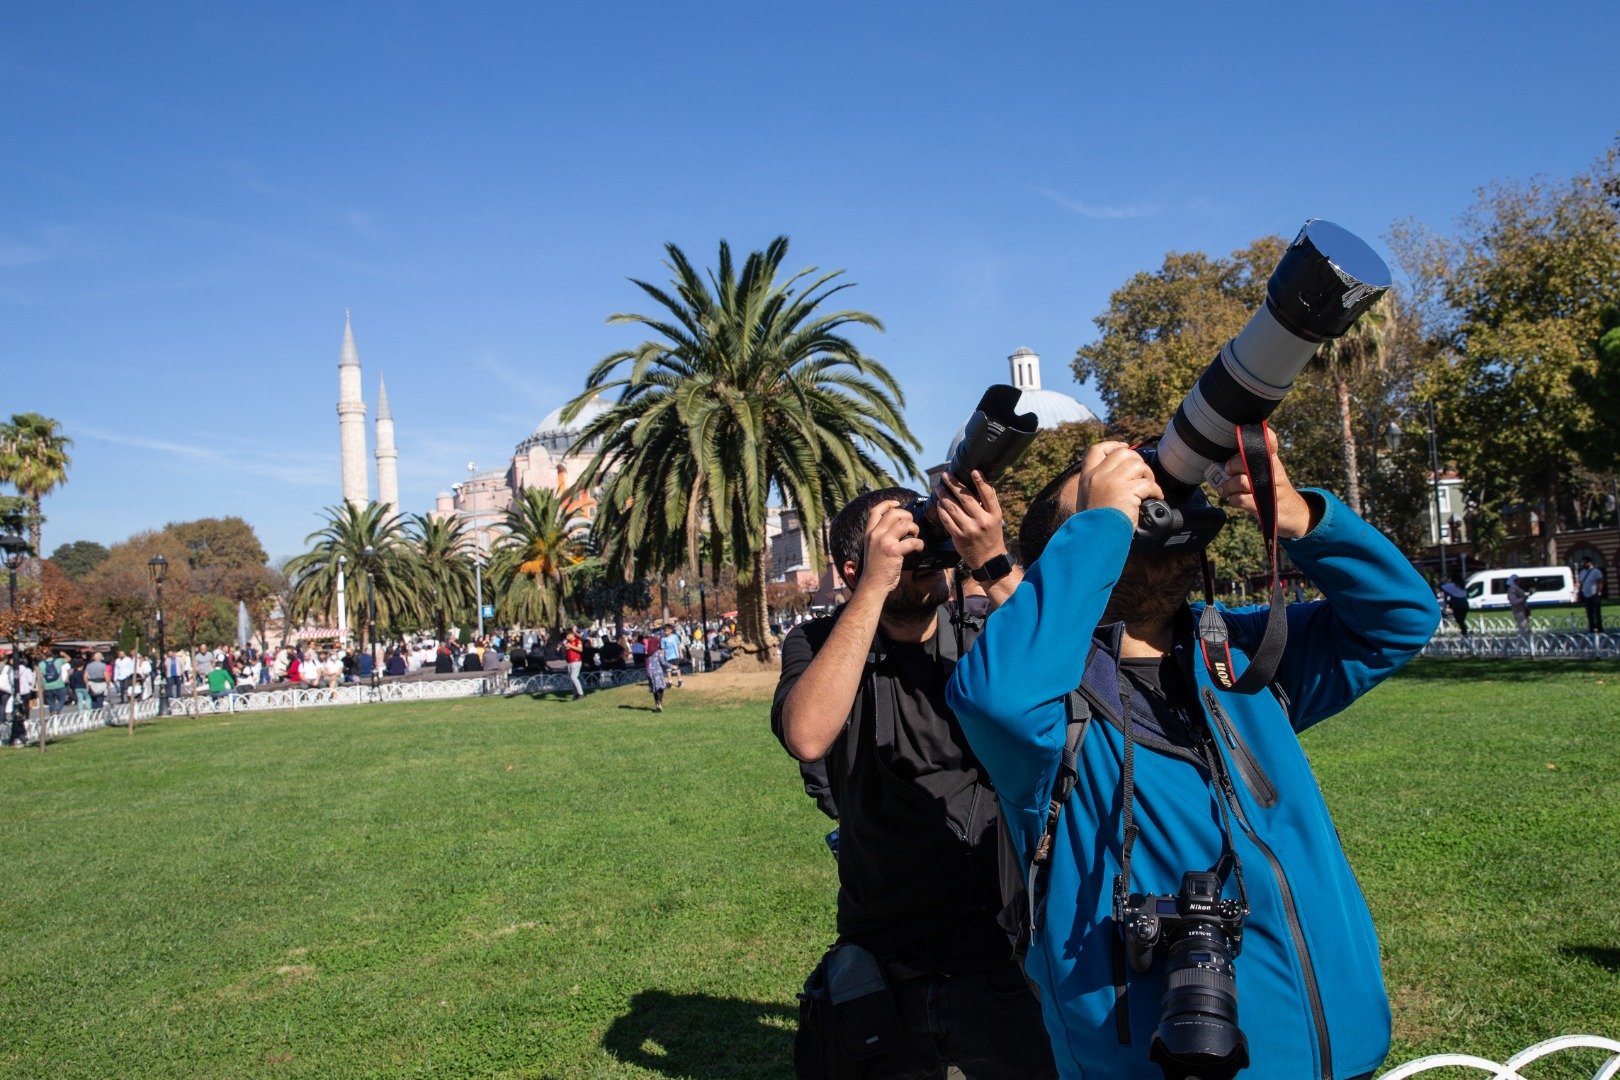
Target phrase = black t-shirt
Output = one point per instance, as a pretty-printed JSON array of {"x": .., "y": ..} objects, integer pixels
[
  {"x": 917, "y": 845},
  {"x": 1161, "y": 702}
]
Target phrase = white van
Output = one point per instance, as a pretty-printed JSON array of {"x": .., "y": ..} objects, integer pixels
[{"x": 1545, "y": 584}]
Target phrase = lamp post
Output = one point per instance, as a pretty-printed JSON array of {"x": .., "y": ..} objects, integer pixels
[
  {"x": 478, "y": 542},
  {"x": 703, "y": 614},
  {"x": 1392, "y": 442},
  {"x": 370, "y": 555},
  {"x": 343, "y": 603},
  {"x": 1434, "y": 473},
  {"x": 158, "y": 566},
  {"x": 13, "y": 548}
]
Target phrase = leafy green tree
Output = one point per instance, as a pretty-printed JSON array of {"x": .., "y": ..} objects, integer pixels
[
  {"x": 348, "y": 532},
  {"x": 444, "y": 555},
  {"x": 1520, "y": 290},
  {"x": 541, "y": 545},
  {"x": 34, "y": 460},
  {"x": 599, "y": 594},
  {"x": 79, "y": 558},
  {"x": 747, "y": 387},
  {"x": 1163, "y": 327}
]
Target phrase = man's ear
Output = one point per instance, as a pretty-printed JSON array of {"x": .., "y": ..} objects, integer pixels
[{"x": 850, "y": 572}]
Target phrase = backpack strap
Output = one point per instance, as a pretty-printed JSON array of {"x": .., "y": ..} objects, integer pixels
[{"x": 1040, "y": 864}]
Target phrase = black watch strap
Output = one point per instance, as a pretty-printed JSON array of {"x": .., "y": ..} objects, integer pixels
[{"x": 994, "y": 570}]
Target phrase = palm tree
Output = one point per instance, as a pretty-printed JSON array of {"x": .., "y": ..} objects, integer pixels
[
  {"x": 34, "y": 460},
  {"x": 443, "y": 553},
  {"x": 1347, "y": 357},
  {"x": 541, "y": 544},
  {"x": 348, "y": 533},
  {"x": 745, "y": 390}
]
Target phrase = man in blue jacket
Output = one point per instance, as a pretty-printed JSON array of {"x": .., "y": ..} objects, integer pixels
[{"x": 1215, "y": 773}]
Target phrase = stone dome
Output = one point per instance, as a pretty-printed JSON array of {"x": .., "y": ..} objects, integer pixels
[
  {"x": 552, "y": 422},
  {"x": 556, "y": 436},
  {"x": 1052, "y": 408}
]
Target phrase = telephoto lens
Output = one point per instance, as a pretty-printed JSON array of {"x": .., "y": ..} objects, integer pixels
[
  {"x": 1198, "y": 1037},
  {"x": 1325, "y": 281}
]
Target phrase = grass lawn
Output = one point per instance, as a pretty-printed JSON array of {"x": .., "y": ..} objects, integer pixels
[{"x": 548, "y": 889}]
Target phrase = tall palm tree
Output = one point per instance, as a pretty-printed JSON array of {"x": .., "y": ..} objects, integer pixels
[
  {"x": 348, "y": 532},
  {"x": 444, "y": 554},
  {"x": 34, "y": 460},
  {"x": 1347, "y": 357},
  {"x": 747, "y": 388},
  {"x": 540, "y": 545}
]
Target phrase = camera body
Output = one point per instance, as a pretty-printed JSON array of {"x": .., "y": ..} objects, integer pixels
[
  {"x": 1199, "y": 936},
  {"x": 1153, "y": 921},
  {"x": 993, "y": 439},
  {"x": 1184, "y": 520}
]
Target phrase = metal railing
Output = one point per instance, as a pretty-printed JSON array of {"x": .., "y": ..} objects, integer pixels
[
  {"x": 1511, "y": 643},
  {"x": 1509, "y": 1070},
  {"x": 73, "y": 722}
]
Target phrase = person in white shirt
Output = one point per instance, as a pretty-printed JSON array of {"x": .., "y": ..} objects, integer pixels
[
  {"x": 123, "y": 673},
  {"x": 21, "y": 701},
  {"x": 332, "y": 671},
  {"x": 143, "y": 676}
]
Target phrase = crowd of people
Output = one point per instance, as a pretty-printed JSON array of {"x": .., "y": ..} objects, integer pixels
[{"x": 56, "y": 680}]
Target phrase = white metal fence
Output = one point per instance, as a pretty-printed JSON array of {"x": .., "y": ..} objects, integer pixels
[
  {"x": 75, "y": 721},
  {"x": 1509, "y": 1070},
  {"x": 1510, "y": 643}
]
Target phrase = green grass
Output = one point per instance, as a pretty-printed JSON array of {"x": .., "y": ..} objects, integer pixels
[{"x": 545, "y": 889}]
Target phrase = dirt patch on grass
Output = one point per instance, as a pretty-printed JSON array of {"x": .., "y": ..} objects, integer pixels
[
  {"x": 1416, "y": 1015},
  {"x": 748, "y": 682}
]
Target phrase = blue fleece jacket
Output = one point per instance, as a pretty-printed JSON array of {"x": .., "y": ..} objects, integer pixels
[{"x": 1310, "y": 993}]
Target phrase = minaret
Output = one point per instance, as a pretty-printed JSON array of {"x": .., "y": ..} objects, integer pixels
[
  {"x": 352, "y": 420},
  {"x": 1026, "y": 369},
  {"x": 387, "y": 472}
]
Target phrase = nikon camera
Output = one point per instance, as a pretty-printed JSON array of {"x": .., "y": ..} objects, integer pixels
[{"x": 1198, "y": 935}]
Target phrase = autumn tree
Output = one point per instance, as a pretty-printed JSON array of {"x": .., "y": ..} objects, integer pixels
[{"x": 1518, "y": 294}]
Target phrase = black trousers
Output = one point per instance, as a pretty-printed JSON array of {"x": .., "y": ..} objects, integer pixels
[
  {"x": 1594, "y": 613},
  {"x": 987, "y": 1024}
]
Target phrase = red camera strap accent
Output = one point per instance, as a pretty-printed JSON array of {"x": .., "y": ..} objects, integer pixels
[{"x": 1214, "y": 639}]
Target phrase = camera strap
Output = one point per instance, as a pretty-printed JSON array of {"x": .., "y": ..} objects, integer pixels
[
  {"x": 1228, "y": 865},
  {"x": 1214, "y": 638}
]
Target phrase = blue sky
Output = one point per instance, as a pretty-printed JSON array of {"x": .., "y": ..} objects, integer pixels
[{"x": 192, "y": 194}]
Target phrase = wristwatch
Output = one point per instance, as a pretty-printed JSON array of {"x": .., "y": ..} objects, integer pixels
[{"x": 994, "y": 570}]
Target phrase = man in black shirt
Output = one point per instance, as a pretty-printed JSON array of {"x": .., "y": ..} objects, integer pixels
[{"x": 864, "y": 691}]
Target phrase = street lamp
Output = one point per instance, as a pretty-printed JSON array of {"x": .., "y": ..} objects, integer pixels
[
  {"x": 343, "y": 603},
  {"x": 14, "y": 548},
  {"x": 478, "y": 542},
  {"x": 158, "y": 567},
  {"x": 370, "y": 555},
  {"x": 1434, "y": 472},
  {"x": 1392, "y": 436},
  {"x": 703, "y": 614}
]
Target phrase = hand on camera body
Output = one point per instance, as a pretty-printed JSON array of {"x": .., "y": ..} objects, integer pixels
[
  {"x": 972, "y": 518},
  {"x": 1113, "y": 474},
  {"x": 1295, "y": 514}
]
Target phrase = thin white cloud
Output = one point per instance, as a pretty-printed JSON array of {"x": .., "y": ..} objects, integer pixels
[
  {"x": 1097, "y": 210},
  {"x": 48, "y": 244},
  {"x": 363, "y": 224},
  {"x": 299, "y": 470}
]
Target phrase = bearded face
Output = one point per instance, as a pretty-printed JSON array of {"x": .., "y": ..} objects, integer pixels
[
  {"x": 917, "y": 595},
  {"x": 1152, "y": 588}
]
